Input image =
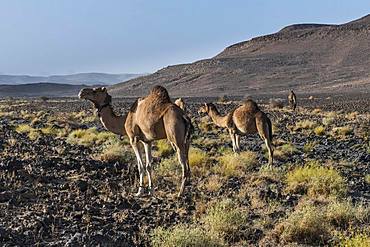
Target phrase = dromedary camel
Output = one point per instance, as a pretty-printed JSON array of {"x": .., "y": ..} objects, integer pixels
[
  {"x": 246, "y": 119},
  {"x": 292, "y": 99},
  {"x": 180, "y": 103},
  {"x": 151, "y": 118}
]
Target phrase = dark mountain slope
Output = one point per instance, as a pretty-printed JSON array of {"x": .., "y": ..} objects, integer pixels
[
  {"x": 40, "y": 89},
  {"x": 304, "y": 57}
]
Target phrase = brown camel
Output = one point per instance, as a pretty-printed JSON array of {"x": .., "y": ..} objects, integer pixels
[
  {"x": 180, "y": 103},
  {"x": 246, "y": 119},
  {"x": 151, "y": 118},
  {"x": 292, "y": 99}
]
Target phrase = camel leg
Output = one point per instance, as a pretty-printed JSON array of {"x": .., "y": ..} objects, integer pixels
[
  {"x": 263, "y": 127},
  {"x": 182, "y": 157},
  {"x": 148, "y": 165},
  {"x": 140, "y": 166},
  {"x": 232, "y": 136},
  {"x": 173, "y": 146},
  {"x": 269, "y": 148},
  {"x": 237, "y": 141}
]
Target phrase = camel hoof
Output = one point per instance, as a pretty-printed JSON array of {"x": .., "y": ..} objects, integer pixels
[
  {"x": 140, "y": 192},
  {"x": 150, "y": 191}
]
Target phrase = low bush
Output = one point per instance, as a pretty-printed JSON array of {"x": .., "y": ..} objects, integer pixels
[
  {"x": 306, "y": 225},
  {"x": 358, "y": 239},
  {"x": 116, "y": 152},
  {"x": 316, "y": 180},
  {"x": 199, "y": 161},
  {"x": 236, "y": 164},
  {"x": 319, "y": 130},
  {"x": 225, "y": 219},
  {"x": 164, "y": 148},
  {"x": 184, "y": 236}
]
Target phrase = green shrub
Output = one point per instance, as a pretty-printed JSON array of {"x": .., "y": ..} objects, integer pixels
[
  {"x": 164, "y": 148},
  {"x": 115, "y": 152},
  {"x": 342, "y": 131},
  {"x": 309, "y": 146},
  {"x": 342, "y": 214},
  {"x": 184, "y": 236},
  {"x": 319, "y": 130},
  {"x": 88, "y": 137},
  {"x": 306, "y": 225},
  {"x": 304, "y": 124},
  {"x": 23, "y": 128},
  {"x": 285, "y": 150},
  {"x": 359, "y": 239},
  {"x": 316, "y": 180},
  {"x": 236, "y": 164},
  {"x": 367, "y": 178},
  {"x": 168, "y": 167},
  {"x": 199, "y": 161},
  {"x": 225, "y": 219}
]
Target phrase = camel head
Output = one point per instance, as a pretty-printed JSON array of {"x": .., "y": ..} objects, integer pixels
[
  {"x": 99, "y": 96},
  {"x": 206, "y": 107}
]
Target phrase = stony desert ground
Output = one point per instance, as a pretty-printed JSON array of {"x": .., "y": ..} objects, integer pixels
[{"x": 64, "y": 181}]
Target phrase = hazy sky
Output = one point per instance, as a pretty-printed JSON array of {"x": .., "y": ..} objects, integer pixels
[{"x": 43, "y": 37}]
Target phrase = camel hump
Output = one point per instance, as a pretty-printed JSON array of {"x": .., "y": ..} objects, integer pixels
[
  {"x": 160, "y": 93},
  {"x": 251, "y": 106}
]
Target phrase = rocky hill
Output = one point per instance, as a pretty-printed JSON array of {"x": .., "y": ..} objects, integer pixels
[{"x": 303, "y": 57}]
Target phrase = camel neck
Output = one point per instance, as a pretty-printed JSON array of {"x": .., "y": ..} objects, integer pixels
[
  {"x": 217, "y": 118},
  {"x": 112, "y": 122}
]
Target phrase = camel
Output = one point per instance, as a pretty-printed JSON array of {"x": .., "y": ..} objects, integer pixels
[
  {"x": 246, "y": 119},
  {"x": 292, "y": 99},
  {"x": 180, "y": 103},
  {"x": 151, "y": 118}
]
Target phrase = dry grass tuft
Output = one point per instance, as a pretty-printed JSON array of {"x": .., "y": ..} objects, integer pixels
[
  {"x": 213, "y": 183},
  {"x": 225, "y": 219},
  {"x": 309, "y": 146},
  {"x": 306, "y": 225},
  {"x": 231, "y": 165},
  {"x": 305, "y": 124},
  {"x": 115, "y": 152},
  {"x": 164, "y": 148},
  {"x": 316, "y": 180},
  {"x": 319, "y": 130},
  {"x": 342, "y": 131},
  {"x": 199, "y": 161},
  {"x": 88, "y": 137},
  {"x": 358, "y": 239},
  {"x": 184, "y": 236}
]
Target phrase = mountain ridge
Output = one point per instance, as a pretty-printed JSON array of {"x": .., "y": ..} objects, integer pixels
[
  {"x": 91, "y": 78},
  {"x": 302, "y": 57}
]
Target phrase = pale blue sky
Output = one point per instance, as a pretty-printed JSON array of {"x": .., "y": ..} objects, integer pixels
[{"x": 43, "y": 37}]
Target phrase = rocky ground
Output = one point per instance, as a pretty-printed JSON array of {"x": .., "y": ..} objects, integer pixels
[{"x": 54, "y": 192}]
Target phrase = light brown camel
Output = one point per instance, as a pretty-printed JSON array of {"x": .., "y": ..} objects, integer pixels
[
  {"x": 151, "y": 118},
  {"x": 180, "y": 103},
  {"x": 292, "y": 99},
  {"x": 246, "y": 119}
]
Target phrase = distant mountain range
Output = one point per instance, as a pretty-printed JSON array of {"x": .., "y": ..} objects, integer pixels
[
  {"x": 40, "y": 89},
  {"x": 303, "y": 57},
  {"x": 73, "y": 79}
]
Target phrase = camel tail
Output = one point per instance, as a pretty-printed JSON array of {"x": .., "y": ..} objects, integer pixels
[
  {"x": 270, "y": 128},
  {"x": 189, "y": 130}
]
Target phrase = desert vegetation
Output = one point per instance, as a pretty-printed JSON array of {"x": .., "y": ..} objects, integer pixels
[{"x": 65, "y": 180}]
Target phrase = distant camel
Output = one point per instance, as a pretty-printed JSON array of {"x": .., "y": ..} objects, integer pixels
[
  {"x": 292, "y": 99},
  {"x": 151, "y": 118},
  {"x": 246, "y": 119},
  {"x": 180, "y": 103}
]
